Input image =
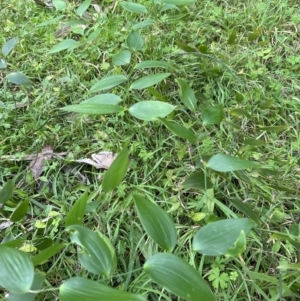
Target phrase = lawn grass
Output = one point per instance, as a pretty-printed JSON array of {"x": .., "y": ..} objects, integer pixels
[{"x": 256, "y": 79}]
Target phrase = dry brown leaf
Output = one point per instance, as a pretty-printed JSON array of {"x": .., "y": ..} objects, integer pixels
[
  {"x": 5, "y": 225},
  {"x": 100, "y": 160}
]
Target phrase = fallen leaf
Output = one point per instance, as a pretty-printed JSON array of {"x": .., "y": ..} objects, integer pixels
[
  {"x": 100, "y": 160},
  {"x": 5, "y": 225}
]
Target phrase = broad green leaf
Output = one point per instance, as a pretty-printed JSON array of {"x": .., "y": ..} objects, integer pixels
[
  {"x": 78, "y": 288},
  {"x": 153, "y": 64},
  {"x": 82, "y": 8},
  {"x": 43, "y": 243},
  {"x": 135, "y": 41},
  {"x": 13, "y": 243},
  {"x": 63, "y": 45},
  {"x": 156, "y": 94},
  {"x": 104, "y": 99},
  {"x": 117, "y": 171},
  {"x": 59, "y": 4},
  {"x": 9, "y": 46},
  {"x": 94, "y": 35},
  {"x": 97, "y": 254},
  {"x": 226, "y": 163},
  {"x": 20, "y": 211},
  {"x": 232, "y": 38},
  {"x": 178, "y": 277},
  {"x": 275, "y": 128},
  {"x": 44, "y": 255},
  {"x": 187, "y": 95},
  {"x": 38, "y": 281},
  {"x": 17, "y": 271},
  {"x": 19, "y": 78},
  {"x": 246, "y": 209},
  {"x": 143, "y": 24},
  {"x": 185, "y": 47},
  {"x": 149, "y": 80},
  {"x": 76, "y": 214},
  {"x": 178, "y": 2},
  {"x": 3, "y": 64},
  {"x": 93, "y": 108},
  {"x": 212, "y": 115},
  {"x": 7, "y": 191},
  {"x": 180, "y": 130},
  {"x": 166, "y": 7},
  {"x": 51, "y": 21},
  {"x": 156, "y": 222},
  {"x": 108, "y": 83},
  {"x": 150, "y": 110},
  {"x": 197, "y": 180},
  {"x": 122, "y": 58},
  {"x": 216, "y": 238},
  {"x": 133, "y": 7},
  {"x": 239, "y": 246}
]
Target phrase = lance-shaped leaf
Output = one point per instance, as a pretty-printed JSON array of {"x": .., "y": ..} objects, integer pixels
[
  {"x": 135, "y": 41},
  {"x": 197, "y": 180},
  {"x": 82, "y": 8},
  {"x": 178, "y": 277},
  {"x": 20, "y": 211},
  {"x": 133, "y": 7},
  {"x": 44, "y": 255},
  {"x": 143, "y": 24},
  {"x": 9, "y": 46},
  {"x": 150, "y": 110},
  {"x": 149, "y": 80},
  {"x": 226, "y": 163},
  {"x": 97, "y": 254},
  {"x": 108, "y": 82},
  {"x": 122, "y": 58},
  {"x": 76, "y": 214},
  {"x": 19, "y": 78},
  {"x": 93, "y": 108},
  {"x": 117, "y": 171},
  {"x": 64, "y": 45},
  {"x": 156, "y": 222},
  {"x": 78, "y": 288},
  {"x": 216, "y": 238},
  {"x": 180, "y": 130},
  {"x": 104, "y": 99},
  {"x": 17, "y": 271},
  {"x": 7, "y": 191},
  {"x": 239, "y": 246},
  {"x": 212, "y": 115},
  {"x": 187, "y": 95}
]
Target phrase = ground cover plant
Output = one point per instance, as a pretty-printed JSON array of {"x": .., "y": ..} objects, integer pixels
[{"x": 149, "y": 150}]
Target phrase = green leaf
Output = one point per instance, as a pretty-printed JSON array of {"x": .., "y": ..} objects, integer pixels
[
  {"x": 276, "y": 128},
  {"x": 197, "y": 180},
  {"x": 185, "y": 47},
  {"x": 239, "y": 113},
  {"x": 9, "y": 46},
  {"x": 216, "y": 238},
  {"x": 283, "y": 265},
  {"x": 63, "y": 45},
  {"x": 3, "y": 64},
  {"x": 246, "y": 209},
  {"x": 180, "y": 130},
  {"x": 20, "y": 211},
  {"x": 108, "y": 83},
  {"x": 117, "y": 171},
  {"x": 187, "y": 95},
  {"x": 93, "y": 108},
  {"x": 135, "y": 41},
  {"x": 122, "y": 58},
  {"x": 133, "y": 7},
  {"x": 13, "y": 243},
  {"x": 83, "y": 7},
  {"x": 178, "y": 2},
  {"x": 254, "y": 142},
  {"x": 97, "y": 254},
  {"x": 7, "y": 191},
  {"x": 78, "y": 288},
  {"x": 153, "y": 64},
  {"x": 94, "y": 35},
  {"x": 104, "y": 99},
  {"x": 59, "y": 4},
  {"x": 212, "y": 115},
  {"x": 44, "y": 255},
  {"x": 17, "y": 271},
  {"x": 76, "y": 214},
  {"x": 19, "y": 78},
  {"x": 239, "y": 246},
  {"x": 178, "y": 277},
  {"x": 38, "y": 281},
  {"x": 156, "y": 222},
  {"x": 149, "y": 80},
  {"x": 166, "y": 7},
  {"x": 226, "y": 163},
  {"x": 50, "y": 22},
  {"x": 150, "y": 110},
  {"x": 232, "y": 38},
  {"x": 143, "y": 24}
]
